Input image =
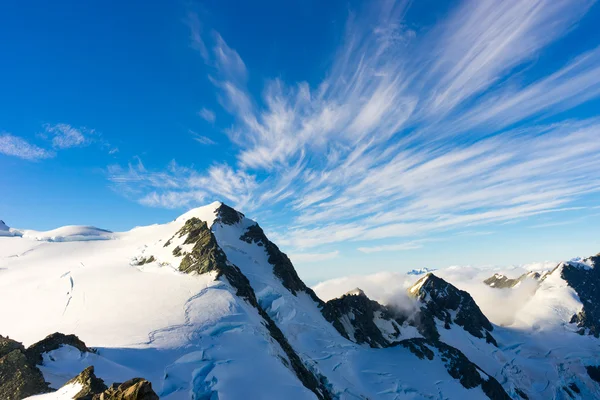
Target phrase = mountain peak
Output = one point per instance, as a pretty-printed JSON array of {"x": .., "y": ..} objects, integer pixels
[
  {"x": 228, "y": 215},
  {"x": 443, "y": 301},
  {"x": 420, "y": 271},
  {"x": 204, "y": 213},
  {"x": 355, "y": 292}
]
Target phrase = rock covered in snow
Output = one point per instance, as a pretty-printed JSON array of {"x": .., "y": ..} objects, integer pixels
[
  {"x": 355, "y": 316},
  {"x": 53, "y": 342},
  {"x": 442, "y": 301},
  {"x": 500, "y": 281}
]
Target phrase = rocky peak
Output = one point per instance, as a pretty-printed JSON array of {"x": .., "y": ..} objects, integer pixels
[
  {"x": 362, "y": 320},
  {"x": 355, "y": 292},
  {"x": 420, "y": 271},
  {"x": 53, "y": 342},
  {"x": 499, "y": 281},
  {"x": 133, "y": 389},
  {"x": 90, "y": 384},
  {"x": 227, "y": 215},
  {"x": 207, "y": 256},
  {"x": 442, "y": 301}
]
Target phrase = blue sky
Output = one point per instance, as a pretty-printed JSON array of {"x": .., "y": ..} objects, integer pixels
[{"x": 364, "y": 136}]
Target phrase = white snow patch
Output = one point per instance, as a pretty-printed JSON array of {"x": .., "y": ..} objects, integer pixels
[
  {"x": 71, "y": 233},
  {"x": 66, "y": 392}
]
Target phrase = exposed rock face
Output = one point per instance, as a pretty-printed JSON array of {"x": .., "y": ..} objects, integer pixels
[
  {"x": 443, "y": 301},
  {"x": 91, "y": 385},
  {"x": 7, "y": 345},
  {"x": 227, "y": 215},
  {"x": 500, "y": 281},
  {"x": 457, "y": 365},
  {"x": 282, "y": 266},
  {"x": 53, "y": 342},
  {"x": 354, "y": 315},
  {"x": 594, "y": 372},
  {"x": 133, "y": 389},
  {"x": 207, "y": 256},
  {"x": 584, "y": 278},
  {"x": 18, "y": 377},
  {"x": 93, "y": 388}
]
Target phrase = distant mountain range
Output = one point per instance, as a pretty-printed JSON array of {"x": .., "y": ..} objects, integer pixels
[
  {"x": 420, "y": 271},
  {"x": 207, "y": 307}
]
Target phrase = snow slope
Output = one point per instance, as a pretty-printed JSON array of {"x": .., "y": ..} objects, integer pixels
[
  {"x": 200, "y": 336},
  {"x": 184, "y": 333}
]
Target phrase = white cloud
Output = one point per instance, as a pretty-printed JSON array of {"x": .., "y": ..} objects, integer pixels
[
  {"x": 313, "y": 257},
  {"x": 390, "y": 288},
  {"x": 407, "y": 134},
  {"x": 11, "y": 145},
  {"x": 412, "y": 245},
  {"x": 65, "y": 136},
  {"x": 207, "y": 115}
]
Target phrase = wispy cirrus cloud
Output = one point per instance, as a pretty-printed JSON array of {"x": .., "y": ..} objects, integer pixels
[
  {"x": 314, "y": 257},
  {"x": 410, "y": 132},
  {"x": 207, "y": 115},
  {"x": 64, "y": 136},
  {"x": 15, "y": 146}
]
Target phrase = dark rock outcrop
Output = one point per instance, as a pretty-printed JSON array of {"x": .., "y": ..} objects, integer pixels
[
  {"x": 91, "y": 385},
  {"x": 133, "y": 389},
  {"x": 594, "y": 372},
  {"x": 93, "y": 388},
  {"x": 19, "y": 378},
  {"x": 53, "y": 342},
  {"x": 585, "y": 281},
  {"x": 7, "y": 345},
  {"x": 457, "y": 364},
  {"x": 357, "y": 312},
  {"x": 443, "y": 301},
  {"x": 499, "y": 281},
  {"x": 282, "y": 265},
  {"x": 227, "y": 215}
]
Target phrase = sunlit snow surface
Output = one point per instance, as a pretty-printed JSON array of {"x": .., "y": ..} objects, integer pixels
[{"x": 191, "y": 335}]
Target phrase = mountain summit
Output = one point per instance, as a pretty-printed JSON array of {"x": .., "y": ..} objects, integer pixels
[{"x": 206, "y": 306}]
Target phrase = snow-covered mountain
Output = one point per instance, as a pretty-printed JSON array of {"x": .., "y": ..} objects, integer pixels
[
  {"x": 207, "y": 307},
  {"x": 420, "y": 271}
]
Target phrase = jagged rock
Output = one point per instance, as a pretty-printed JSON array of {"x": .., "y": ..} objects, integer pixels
[
  {"x": 354, "y": 314},
  {"x": 594, "y": 372},
  {"x": 7, "y": 345},
  {"x": 18, "y": 377},
  {"x": 585, "y": 280},
  {"x": 458, "y": 366},
  {"x": 91, "y": 385},
  {"x": 227, "y": 215},
  {"x": 133, "y": 389},
  {"x": 282, "y": 266},
  {"x": 499, "y": 281},
  {"x": 53, "y": 342},
  {"x": 438, "y": 298}
]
